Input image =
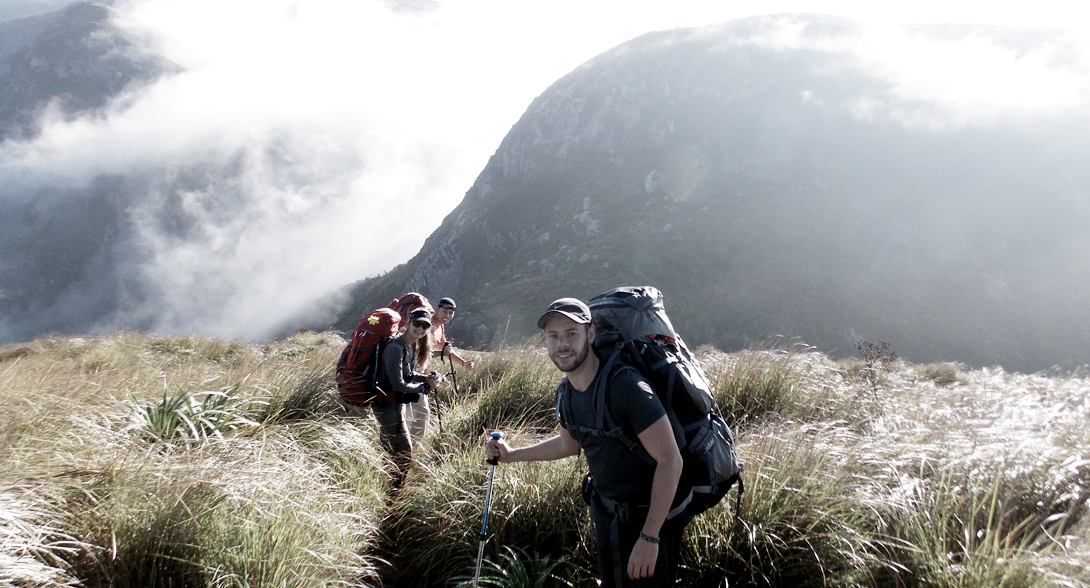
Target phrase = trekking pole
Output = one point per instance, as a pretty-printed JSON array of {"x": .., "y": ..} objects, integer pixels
[
  {"x": 487, "y": 501},
  {"x": 453, "y": 374},
  {"x": 454, "y": 383}
]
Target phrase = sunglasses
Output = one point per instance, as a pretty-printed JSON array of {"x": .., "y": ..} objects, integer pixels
[{"x": 422, "y": 325}]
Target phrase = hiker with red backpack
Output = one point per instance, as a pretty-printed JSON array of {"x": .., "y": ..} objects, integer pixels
[
  {"x": 382, "y": 368},
  {"x": 417, "y": 412},
  {"x": 400, "y": 373}
]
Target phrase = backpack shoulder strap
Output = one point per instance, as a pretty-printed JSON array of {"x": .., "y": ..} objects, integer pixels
[
  {"x": 563, "y": 403},
  {"x": 603, "y": 413}
]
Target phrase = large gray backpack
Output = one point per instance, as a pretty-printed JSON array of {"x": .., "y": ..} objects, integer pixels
[{"x": 634, "y": 332}]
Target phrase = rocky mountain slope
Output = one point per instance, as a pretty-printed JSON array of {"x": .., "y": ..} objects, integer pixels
[
  {"x": 73, "y": 60},
  {"x": 773, "y": 179}
]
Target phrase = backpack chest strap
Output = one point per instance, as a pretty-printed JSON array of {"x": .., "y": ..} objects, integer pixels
[{"x": 603, "y": 423}]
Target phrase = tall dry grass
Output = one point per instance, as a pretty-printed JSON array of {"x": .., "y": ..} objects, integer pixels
[
  {"x": 148, "y": 461},
  {"x": 243, "y": 493}
]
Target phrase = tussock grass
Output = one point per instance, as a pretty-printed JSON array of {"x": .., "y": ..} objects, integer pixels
[
  {"x": 163, "y": 461},
  {"x": 535, "y": 506},
  {"x": 943, "y": 374},
  {"x": 801, "y": 523},
  {"x": 514, "y": 568},
  {"x": 514, "y": 387},
  {"x": 254, "y": 512},
  {"x": 32, "y": 547},
  {"x": 254, "y": 495},
  {"x": 782, "y": 381}
]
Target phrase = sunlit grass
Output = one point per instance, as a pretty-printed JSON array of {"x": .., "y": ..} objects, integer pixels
[
  {"x": 165, "y": 461},
  {"x": 536, "y": 507}
]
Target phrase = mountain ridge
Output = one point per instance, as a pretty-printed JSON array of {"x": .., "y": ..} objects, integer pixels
[{"x": 748, "y": 161}]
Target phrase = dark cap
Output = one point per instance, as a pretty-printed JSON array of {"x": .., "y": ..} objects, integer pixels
[
  {"x": 448, "y": 303},
  {"x": 572, "y": 308},
  {"x": 421, "y": 315}
]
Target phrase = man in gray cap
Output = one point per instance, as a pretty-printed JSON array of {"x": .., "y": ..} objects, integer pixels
[{"x": 629, "y": 497}]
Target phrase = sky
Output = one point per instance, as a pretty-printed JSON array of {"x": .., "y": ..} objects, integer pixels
[{"x": 381, "y": 108}]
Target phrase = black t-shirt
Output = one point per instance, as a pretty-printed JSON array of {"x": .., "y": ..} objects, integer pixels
[{"x": 618, "y": 473}]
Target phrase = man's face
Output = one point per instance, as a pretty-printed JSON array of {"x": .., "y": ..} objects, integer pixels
[
  {"x": 567, "y": 342},
  {"x": 443, "y": 314}
]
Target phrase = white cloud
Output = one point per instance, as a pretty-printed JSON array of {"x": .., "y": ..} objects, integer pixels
[
  {"x": 936, "y": 79},
  {"x": 977, "y": 80}
]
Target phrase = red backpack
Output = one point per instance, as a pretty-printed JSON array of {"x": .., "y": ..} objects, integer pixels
[
  {"x": 409, "y": 302},
  {"x": 359, "y": 364}
]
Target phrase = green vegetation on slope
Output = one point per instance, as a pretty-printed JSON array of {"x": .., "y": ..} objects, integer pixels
[{"x": 140, "y": 461}]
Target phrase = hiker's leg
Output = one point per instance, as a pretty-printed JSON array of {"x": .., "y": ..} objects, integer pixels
[
  {"x": 416, "y": 417},
  {"x": 394, "y": 437},
  {"x": 604, "y": 525}
]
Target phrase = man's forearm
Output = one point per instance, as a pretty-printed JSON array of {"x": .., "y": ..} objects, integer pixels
[
  {"x": 663, "y": 487},
  {"x": 457, "y": 358},
  {"x": 549, "y": 449}
]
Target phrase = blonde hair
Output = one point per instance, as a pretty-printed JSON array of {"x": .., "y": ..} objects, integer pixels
[{"x": 423, "y": 351}]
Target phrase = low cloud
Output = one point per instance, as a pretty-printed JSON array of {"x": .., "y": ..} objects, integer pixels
[
  {"x": 228, "y": 197},
  {"x": 947, "y": 76}
]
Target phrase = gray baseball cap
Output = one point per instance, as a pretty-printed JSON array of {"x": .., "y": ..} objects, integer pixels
[{"x": 572, "y": 308}]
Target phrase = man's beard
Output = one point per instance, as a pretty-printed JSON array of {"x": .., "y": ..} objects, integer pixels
[{"x": 578, "y": 361}]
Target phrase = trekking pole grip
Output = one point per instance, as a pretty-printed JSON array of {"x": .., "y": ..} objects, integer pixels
[{"x": 495, "y": 435}]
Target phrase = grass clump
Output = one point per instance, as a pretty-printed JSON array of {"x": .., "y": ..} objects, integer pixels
[
  {"x": 942, "y": 374},
  {"x": 292, "y": 502},
  {"x": 801, "y": 523},
  {"x": 535, "y": 507},
  {"x": 515, "y": 387},
  {"x": 33, "y": 547},
  {"x": 514, "y": 568},
  {"x": 777, "y": 381},
  {"x": 194, "y": 416}
]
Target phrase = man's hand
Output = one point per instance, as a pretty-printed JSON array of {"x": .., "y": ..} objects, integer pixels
[
  {"x": 641, "y": 564},
  {"x": 497, "y": 449}
]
